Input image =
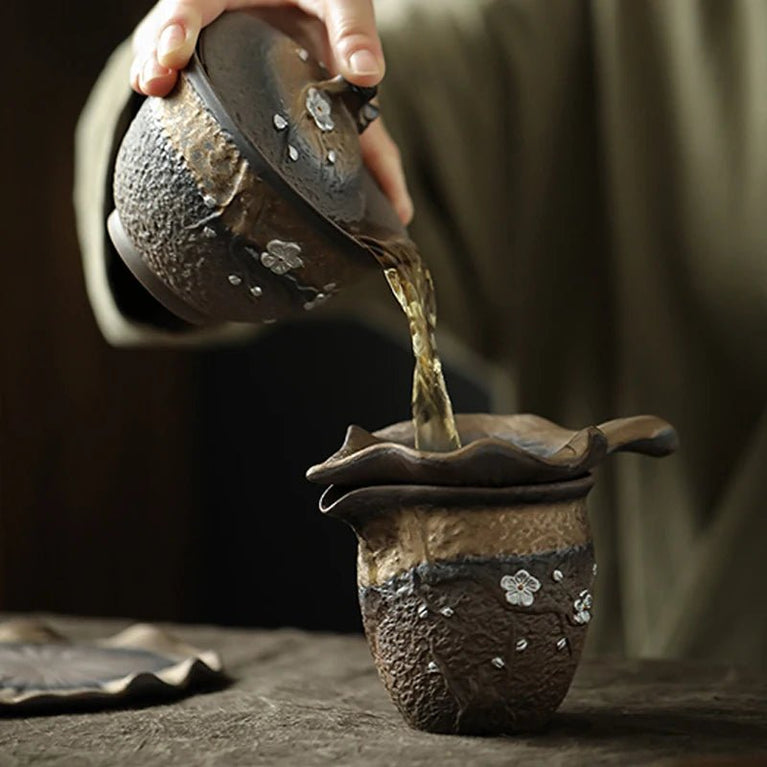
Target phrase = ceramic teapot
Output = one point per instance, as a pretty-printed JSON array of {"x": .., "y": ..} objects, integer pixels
[{"x": 242, "y": 195}]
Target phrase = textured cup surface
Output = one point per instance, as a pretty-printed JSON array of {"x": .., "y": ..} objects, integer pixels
[{"x": 475, "y": 602}]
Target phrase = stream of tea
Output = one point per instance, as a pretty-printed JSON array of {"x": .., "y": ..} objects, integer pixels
[{"x": 410, "y": 281}]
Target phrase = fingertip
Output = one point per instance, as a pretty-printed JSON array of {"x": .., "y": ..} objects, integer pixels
[
  {"x": 155, "y": 79},
  {"x": 400, "y": 197},
  {"x": 363, "y": 67},
  {"x": 383, "y": 158},
  {"x": 353, "y": 37},
  {"x": 404, "y": 208},
  {"x": 159, "y": 86},
  {"x": 176, "y": 42}
]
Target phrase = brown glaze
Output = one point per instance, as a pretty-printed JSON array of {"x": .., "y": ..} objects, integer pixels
[
  {"x": 435, "y": 570},
  {"x": 217, "y": 166},
  {"x": 401, "y": 527},
  {"x": 498, "y": 451},
  {"x": 233, "y": 215}
]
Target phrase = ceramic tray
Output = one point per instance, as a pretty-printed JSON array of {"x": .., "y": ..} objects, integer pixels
[{"x": 41, "y": 668}]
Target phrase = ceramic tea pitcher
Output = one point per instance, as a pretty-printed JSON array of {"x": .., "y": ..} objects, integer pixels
[
  {"x": 476, "y": 567},
  {"x": 242, "y": 195}
]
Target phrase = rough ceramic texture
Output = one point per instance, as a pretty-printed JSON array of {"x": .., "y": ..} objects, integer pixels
[
  {"x": 200, "y": 218},
  {"x": 402, "y": 526},
  {"x": 40, "y": 669},
  {"x": 196, "y": 247},
  {"x": 475, "y": 566},
  {"x": 225, "y": 191},
  {"x": 457, "y": 657},
  {"x": 452, "y": 578}
]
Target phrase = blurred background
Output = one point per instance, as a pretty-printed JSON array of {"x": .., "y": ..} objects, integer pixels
[
  {"x": 627, "y": 173},
  {"x": 158, "y": 484}
]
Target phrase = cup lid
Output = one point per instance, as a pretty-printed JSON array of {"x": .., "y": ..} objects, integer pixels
[{"x": 296, "y": 125}]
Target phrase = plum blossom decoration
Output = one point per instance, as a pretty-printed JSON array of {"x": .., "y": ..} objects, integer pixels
[
  {"x": 582, "y": 607},
  {"x": 520, "y": 588},
  {"x": 280, "y": 257}
]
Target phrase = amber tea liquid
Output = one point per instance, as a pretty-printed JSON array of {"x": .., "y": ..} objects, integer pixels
[{"x": 410, "y": 281}]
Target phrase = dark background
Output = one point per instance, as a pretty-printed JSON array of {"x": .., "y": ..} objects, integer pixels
[{"x": 157, "y": 484}]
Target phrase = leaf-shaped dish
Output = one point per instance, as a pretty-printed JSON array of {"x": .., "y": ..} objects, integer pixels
[
  {"x": 41, "y": 669},
  {"x": 497, "y": 451}
]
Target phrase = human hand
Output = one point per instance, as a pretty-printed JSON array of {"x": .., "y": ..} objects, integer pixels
[{"x": 344, "y": 36}]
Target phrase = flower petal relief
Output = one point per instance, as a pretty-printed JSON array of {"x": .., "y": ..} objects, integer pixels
[
  {"x": 520, "y": 588},
  {"x": 281, "y": 256},
  {"x": 582, "y": 607},
  {"x": 319, "y": 107}
]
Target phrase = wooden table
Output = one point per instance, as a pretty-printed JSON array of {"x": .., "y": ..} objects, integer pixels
[{"x": 304, "y": 699}]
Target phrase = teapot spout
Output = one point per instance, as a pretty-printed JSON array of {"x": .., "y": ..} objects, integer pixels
[{"x": 354, "y": 505}]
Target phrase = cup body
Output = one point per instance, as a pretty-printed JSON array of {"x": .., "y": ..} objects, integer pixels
[{"x": 475, "y": 601}]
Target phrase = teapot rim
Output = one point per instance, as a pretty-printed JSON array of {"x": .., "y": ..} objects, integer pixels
[{"x": 358, "y": 501}]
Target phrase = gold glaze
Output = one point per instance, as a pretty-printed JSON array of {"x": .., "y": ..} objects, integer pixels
[
  {"x": 220, "y": 171},
  {"x": 400, "y": 540},
  {"x": 249, "y": 213}
]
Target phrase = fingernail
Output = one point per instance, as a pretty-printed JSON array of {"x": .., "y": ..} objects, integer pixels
[
  {"x": 171, "y": 39},
  {"x": 363, "y": 63}
]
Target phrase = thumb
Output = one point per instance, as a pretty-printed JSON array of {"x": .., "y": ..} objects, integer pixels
[{"x": 353, "y": 37}]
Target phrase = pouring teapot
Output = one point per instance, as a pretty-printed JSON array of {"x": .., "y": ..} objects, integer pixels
[{"x": 243, "y": 196}]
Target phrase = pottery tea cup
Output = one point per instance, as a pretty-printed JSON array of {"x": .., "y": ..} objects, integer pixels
[
  {"x": 476, "y": 597},
  {"x": 242, "y": 195}
]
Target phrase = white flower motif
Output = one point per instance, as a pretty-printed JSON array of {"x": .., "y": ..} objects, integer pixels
[
  {"x": 280, "y": 257},
  {"x": 582, "y": 607},
  {"x": 520, "y": 588},
  {"x": 319, "y": 107}
]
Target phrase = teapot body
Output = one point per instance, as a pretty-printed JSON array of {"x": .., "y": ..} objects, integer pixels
[
  {"x": 208, "y": 236},
  {"x": 242, "y": 195}
]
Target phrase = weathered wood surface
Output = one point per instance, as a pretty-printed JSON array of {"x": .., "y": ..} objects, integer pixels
[{"x": 314, "y": 699}]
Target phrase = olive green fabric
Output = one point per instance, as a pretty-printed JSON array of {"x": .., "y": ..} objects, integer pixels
[{"x": 590, "y": 180}]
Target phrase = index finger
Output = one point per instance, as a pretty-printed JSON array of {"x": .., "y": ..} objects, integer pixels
[{"x": 354, "y": 40}]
